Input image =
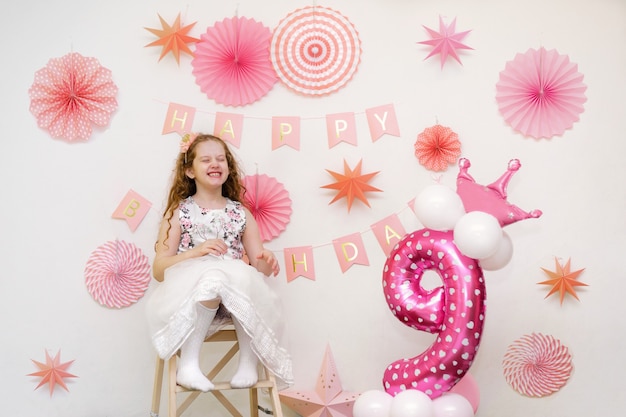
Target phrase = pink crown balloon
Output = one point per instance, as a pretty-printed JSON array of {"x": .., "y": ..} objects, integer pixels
[{"x": 491, "y": 198}]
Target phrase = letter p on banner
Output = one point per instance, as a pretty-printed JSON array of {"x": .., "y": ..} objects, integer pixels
[{"x": 133, "y": 208}]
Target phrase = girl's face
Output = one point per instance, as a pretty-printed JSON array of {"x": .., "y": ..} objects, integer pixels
[{"x": 210, "y": 166}]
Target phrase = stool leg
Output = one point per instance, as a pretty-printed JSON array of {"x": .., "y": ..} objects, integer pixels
[
  {"x": 158, "y": 385},
  {"x": 275, "y": 398},
  {"x": 171, "y": 386},
  {"x": 254, "y": 402}
]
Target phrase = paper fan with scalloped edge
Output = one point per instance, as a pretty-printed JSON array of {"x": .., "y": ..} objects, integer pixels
[
  {"x": 540, "y": 93},
  {"x": 70, "y": 95},
  {"x": 232, "y": 63},
  {"x": 269, "y": 203},
  {"x": 117, "y": 274}
]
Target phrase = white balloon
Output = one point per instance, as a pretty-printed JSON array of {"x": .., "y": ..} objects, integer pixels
[
  {"x": 477, "y": 234},
  {"x": 503, "y": 255},
  {"x": 438, "y": 207},
  {"x": 372, "y": 403},
  {"x": 411, "y": 403},
  {"x": 452, "y": 405}
]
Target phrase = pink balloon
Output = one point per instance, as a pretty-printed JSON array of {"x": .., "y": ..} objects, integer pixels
[
  {"x": 468, "y": 388},
  {"x": 455, "y": 311}
]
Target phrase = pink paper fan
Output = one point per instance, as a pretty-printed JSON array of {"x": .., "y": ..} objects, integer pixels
[
  {"x": 231, "y": 62},
  {"x": 437, "y": 147},
  {"x": 540, "y": 93},
  {"x": 70, "y": 94},
  {"x": 537, "y": 365},
  {"x": 315, "y": 50},
  {"x": 269, "y": 203},
  {"x": 117, "y": 274}
]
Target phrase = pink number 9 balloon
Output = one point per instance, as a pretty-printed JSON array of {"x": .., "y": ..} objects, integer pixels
[{"x": 454, "y": 311}]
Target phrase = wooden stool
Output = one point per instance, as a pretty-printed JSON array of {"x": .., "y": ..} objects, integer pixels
[{"x": 227, "y": 335}]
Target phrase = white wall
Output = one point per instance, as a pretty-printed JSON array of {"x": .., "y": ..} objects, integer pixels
[{"x": 59, "y": 197}]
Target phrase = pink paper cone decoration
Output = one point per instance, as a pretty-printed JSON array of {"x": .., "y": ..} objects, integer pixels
[
  {"x": 269, "y": 203},
  {"x": 537, "y": 365},
  {"x": 315, "y": 50},
  {"x": 540, "y": 93},
  {"x": 117, "y": 274},
  {"x": 231, "y": 62},
  {"x": 70, "y": 95}
]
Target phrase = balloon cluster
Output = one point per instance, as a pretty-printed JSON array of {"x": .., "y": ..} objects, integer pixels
[
  {"x": 463, "y": 234},
  {"x": 475, "y": 213},
  {"x": 462, "y": 401}
]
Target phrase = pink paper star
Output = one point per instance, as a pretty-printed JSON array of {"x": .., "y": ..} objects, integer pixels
[
  {"x": 446, "y": 41},
  {"x": 52, "y": 372},
  {"x": 328, "y": 399}
]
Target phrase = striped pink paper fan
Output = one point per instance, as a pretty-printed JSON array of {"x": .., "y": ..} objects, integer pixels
[
  {"x": 537, "y": 365},
  {"x": 117, "y": 274}
]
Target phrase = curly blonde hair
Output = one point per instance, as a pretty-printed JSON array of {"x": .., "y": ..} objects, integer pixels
[{"x": 183, "y": 186}]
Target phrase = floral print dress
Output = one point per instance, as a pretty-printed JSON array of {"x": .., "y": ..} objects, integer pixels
[{"x": 244, "y": 293}]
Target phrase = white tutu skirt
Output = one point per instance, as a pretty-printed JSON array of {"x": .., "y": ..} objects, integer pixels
[{"x": 171, "y": 308}]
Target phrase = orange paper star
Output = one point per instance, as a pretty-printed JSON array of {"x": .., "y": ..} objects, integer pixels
[
  {"x": 351, "y": 184},
  {"x": 562, "y": 280},
  {"x": 173, "y": 38},
  {"x": 52, "y": 372}
]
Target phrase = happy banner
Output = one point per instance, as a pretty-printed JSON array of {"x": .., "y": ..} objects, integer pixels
[{"x": 285, "y": 130}]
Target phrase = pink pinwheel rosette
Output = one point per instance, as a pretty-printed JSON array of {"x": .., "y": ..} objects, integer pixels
[
  {"x": 437, "y": 147},
  {"x": 537, "y": 365},
  {"x": 269, "y": 203},
  {"x": 540, "y": 93},
  {"x": 117, "y": 274},
  {"x": 72, "y": 94},
  {"x": 231, "y": 62},
  {"x": 315, "y": 51}
]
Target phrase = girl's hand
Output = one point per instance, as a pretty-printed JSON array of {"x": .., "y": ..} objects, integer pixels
[
  {"x": 269, "y": 258},
  {"x": 216, "y": 247}
]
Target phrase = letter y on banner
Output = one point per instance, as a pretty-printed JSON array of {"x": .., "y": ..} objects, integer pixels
[
  {"x": 133, "y": 209},
  {"x": 382, "y": 120}
]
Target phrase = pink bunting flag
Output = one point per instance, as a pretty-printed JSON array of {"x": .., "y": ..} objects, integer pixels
[
  {"x": 228, "y": 127},
  {"x": 382, "y": 120},
  {"x": 133, "y": 208},
  {"x": 286, "y": 131},
  {"x": 299, "y": 262},
  {"x": 179, "y": 119},
  {"x": 388, "y": 232},
  {"x": 350, "y": 250},
  {"x": 341, "y": 127}
]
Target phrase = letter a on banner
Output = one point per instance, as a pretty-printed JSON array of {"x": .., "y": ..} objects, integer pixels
[
  {"x": 179, "y": 119},
  {"x": 388, "y": 232},
  {"x": 350, "y": 250},
  {"x": 228, "y": 127},
  {"x": 340, "y": 127},
  {"x": 299, "y": 263},
  {"x": 133, "y": 209},
  {"x": 381, "y": 120},
  {"x": 286, "y": 131}
]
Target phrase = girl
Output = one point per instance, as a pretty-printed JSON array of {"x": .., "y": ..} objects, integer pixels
[{"x": 203, "y": 280}]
